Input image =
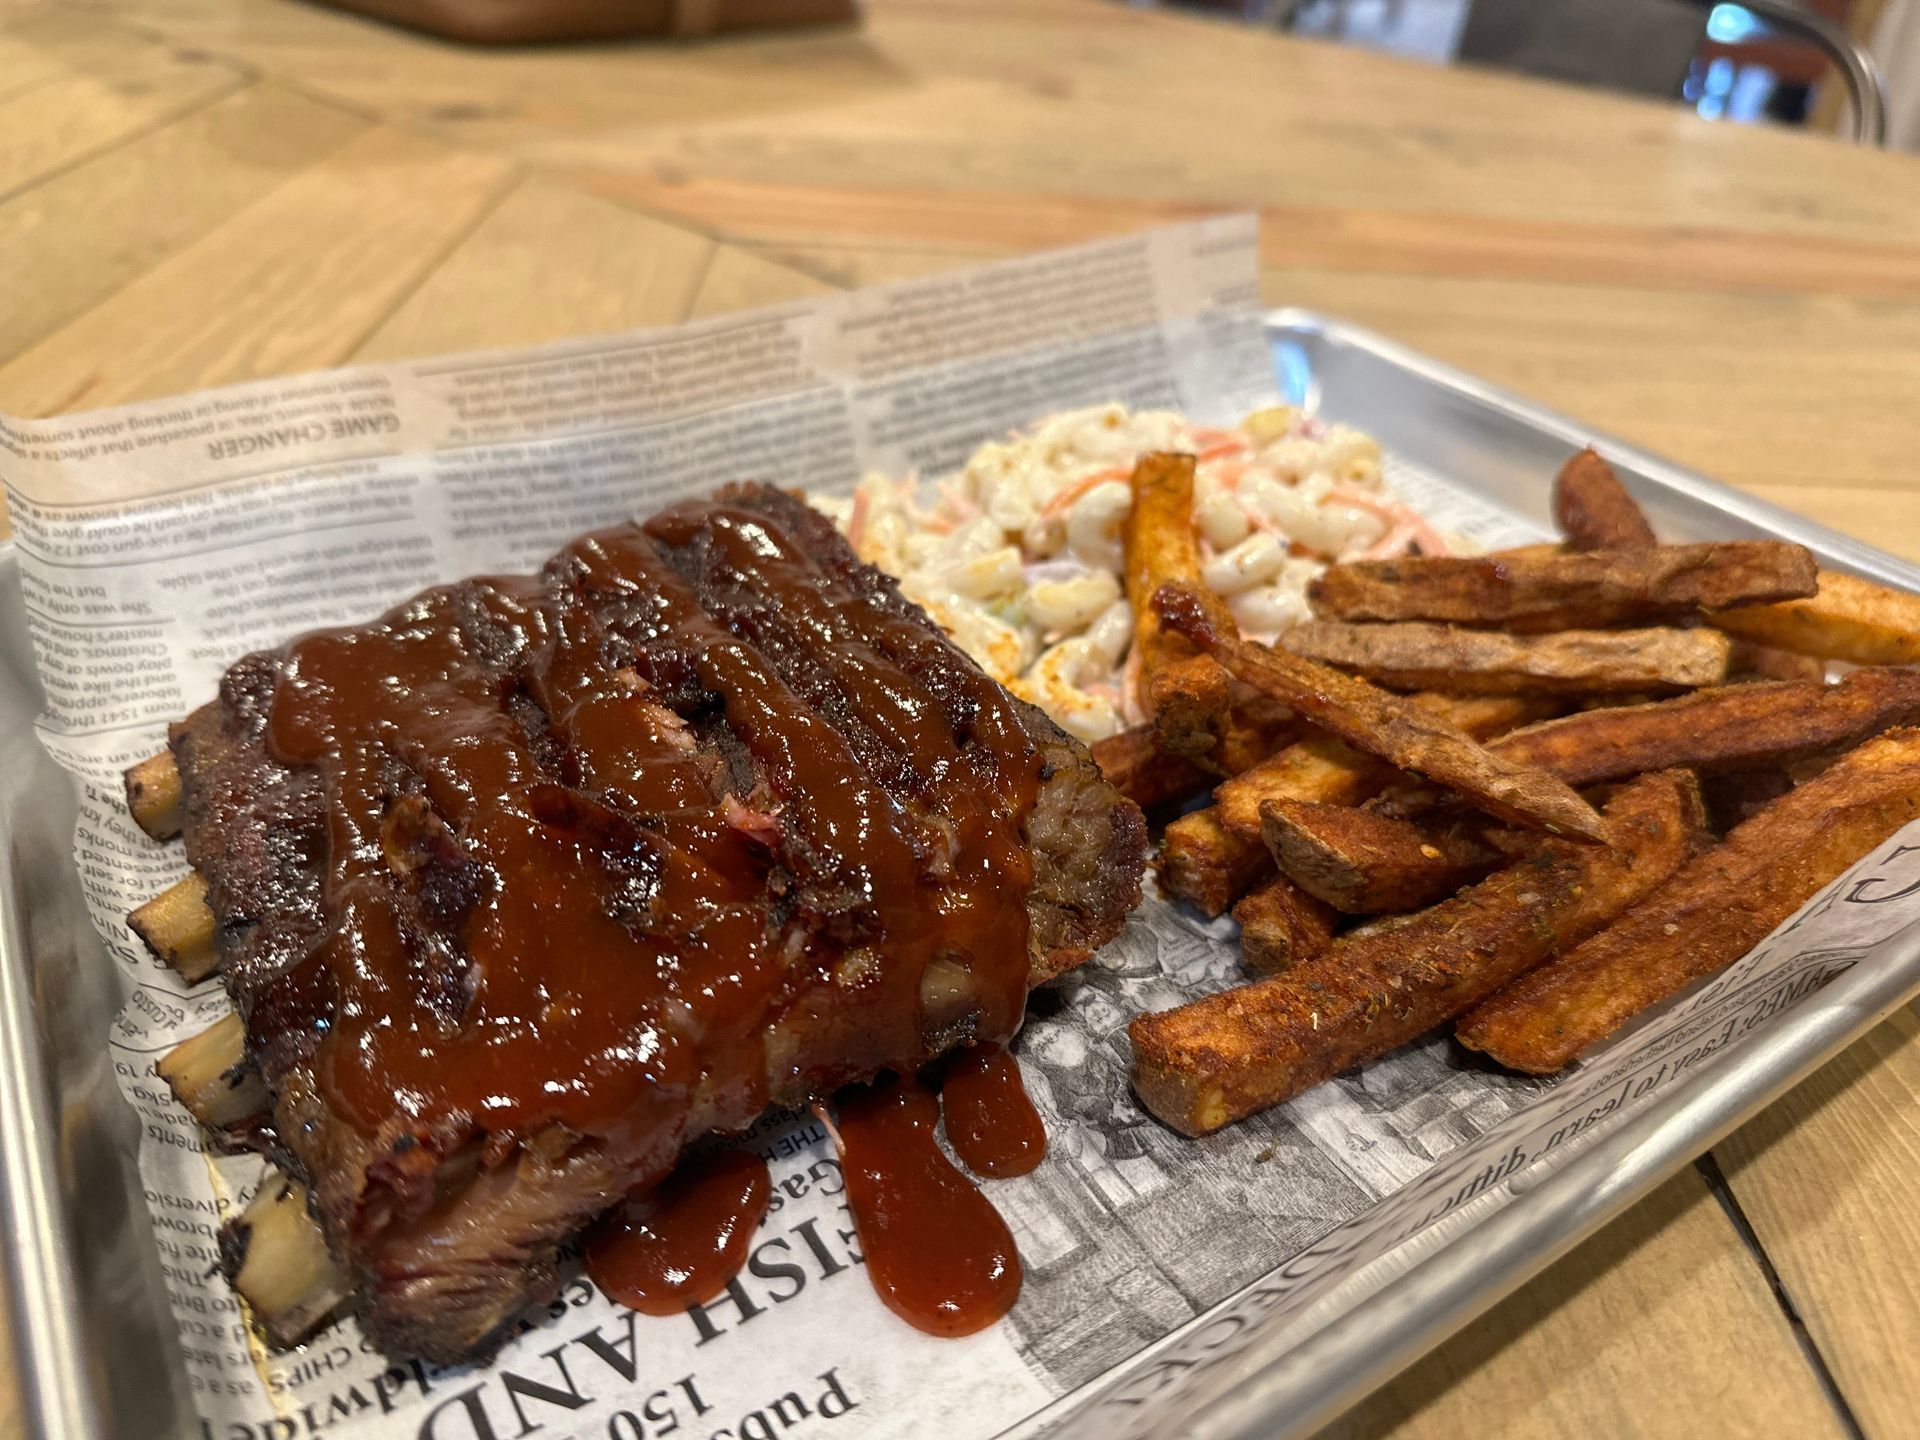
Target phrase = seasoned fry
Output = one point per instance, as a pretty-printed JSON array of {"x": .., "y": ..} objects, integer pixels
[
  {"x": 153, "y": 796},
  {"x": 1187, "y": 693},
  {"x": 1739, "y": 795},
  {"x": 1566, "y": 592},
  {"x": 177, "y": 926},
  {"x": 1390, "y": 726},
  {"x": 1414, "y": 655},
  {"x": 1709, "y": 915},
  {"x": 1139, "y": 769},
  {"x": 1210, "y": 1062},
  {"x": 1594, "y": 510},
  {"x": 1323, "y": 769},
  {"x": 1256, "y": 727},
  {"x": 1753, "y": 661},
  {"x": 1366, "y": 864},
  {"x": 1205, "y": 865},
  {"x": 1282, "y": 926},
  {"x": 1735, "y": 727},
  {"x": 1850, "y": 619}
]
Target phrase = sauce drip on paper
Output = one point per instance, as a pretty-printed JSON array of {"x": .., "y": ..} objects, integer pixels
[
  {"x": 991, "y": 1123},
  {"x": 681, "y": 1244},
  {"x": 937, "y": 1251}
]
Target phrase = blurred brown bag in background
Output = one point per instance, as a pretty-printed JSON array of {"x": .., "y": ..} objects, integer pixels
[{"x": 517, "y": 22}]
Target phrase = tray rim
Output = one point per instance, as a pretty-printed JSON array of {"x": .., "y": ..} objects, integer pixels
[{"x": 1289, "y": 1386}]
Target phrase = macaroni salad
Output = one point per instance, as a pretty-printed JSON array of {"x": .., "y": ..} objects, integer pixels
[{"x": 1019, "y": 556}]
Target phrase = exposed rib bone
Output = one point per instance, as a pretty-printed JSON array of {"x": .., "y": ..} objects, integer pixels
[{"x": 177, "y": 926}]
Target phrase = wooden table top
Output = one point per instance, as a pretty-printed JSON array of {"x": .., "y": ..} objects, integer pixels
[{"x": 201, "y": 191}]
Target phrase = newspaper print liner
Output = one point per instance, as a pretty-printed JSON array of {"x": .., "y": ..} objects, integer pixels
[{"x": 1143, "y": 1249}]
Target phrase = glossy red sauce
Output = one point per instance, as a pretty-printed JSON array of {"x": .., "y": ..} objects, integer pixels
[
  {"x": 937, "y": 1251},
  {"x": 544, "y": 913},
  {"x": 681, "y": 1244},
  {"x": 991, "y": 1123}
]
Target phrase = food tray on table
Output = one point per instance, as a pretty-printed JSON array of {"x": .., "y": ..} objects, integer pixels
[{"x": 95, "y": 1336}]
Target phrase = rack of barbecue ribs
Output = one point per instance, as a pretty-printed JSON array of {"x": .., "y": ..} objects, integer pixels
[{"x": 527, "y": 886}]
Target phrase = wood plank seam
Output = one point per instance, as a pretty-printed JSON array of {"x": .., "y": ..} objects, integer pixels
[
  {"x": 1810, "y": 1351},
  {"x": 241, "y": 78},
  {"x": 515, "y": 176}
]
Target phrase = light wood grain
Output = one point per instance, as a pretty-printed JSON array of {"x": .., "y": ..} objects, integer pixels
[
  {"x": 207, "y": 190},
  {"x": 295, "y": 281},
  {"x": 1827, "y": 1179},
  {"x": 741, "y": 279},
  {"x": 550, "y": 262},
  {"x": 96, "y": 88},
  {"x": 87, "y": 232},
  {"x": 1656, "y": 1327}
]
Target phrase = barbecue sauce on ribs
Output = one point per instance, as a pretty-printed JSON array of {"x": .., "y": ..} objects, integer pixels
[{"x": 546, "y": 902}]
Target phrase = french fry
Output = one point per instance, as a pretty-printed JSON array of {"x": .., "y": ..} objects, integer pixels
[
  {"x": 1739, "y": 795},
  {"x": 1256, "y": 727},
  {"x": 1415, "y": 655},
  {"x": 1282, "y": 926},
  {"x": 1566, "y": 592},
  {"x": 1390, "y": 726},
  {"x": 154, "y": 796},
  {"x": 1187, "y": 693},
  {"x": 1201, "y": 862},
  {"x": 1751, "y": 660},
  {"x": 1205, "y": 1064},
  {"x": 1328, "y": 771},
  {"x": 1366, "y": 864},
  {"x": 1135, "y": 764},
  {"x": 177, "y": 925},
  {"x": 1849, "y": 619},
  {"x": 1734, "y": 727},
  {"x": 1594, "y": 510},
  {"x": 1710, "y": 914}
]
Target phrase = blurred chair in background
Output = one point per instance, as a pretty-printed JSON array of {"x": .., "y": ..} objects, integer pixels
[{"x": 1647, "y": 47}]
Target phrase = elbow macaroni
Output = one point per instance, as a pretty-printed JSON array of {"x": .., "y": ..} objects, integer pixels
[{"x": 1020, "y": 557}]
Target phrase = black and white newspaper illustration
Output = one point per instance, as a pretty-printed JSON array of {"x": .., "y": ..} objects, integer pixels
[{"x": 160, "y": 541}]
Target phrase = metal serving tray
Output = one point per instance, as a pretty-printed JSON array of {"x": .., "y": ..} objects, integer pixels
[{"x": 94, "y": 1339}]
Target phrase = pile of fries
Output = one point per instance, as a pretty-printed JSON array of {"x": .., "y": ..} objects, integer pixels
[{"x": 1528, "y": 794}]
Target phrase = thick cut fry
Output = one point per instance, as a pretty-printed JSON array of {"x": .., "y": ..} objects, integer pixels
[
  {"x": 1136, "y": 766},
  {"x": 276, "y": 1258},
  {"x": 1850, "y": 619},
  {"x": 154, "y": 797},
  {"x": 1210, "y": 857},
  {"x": 177, "y": 926},
  {"x": 1205, "y": 865},
  {"x": 1211, "y": 1062},
  {"x": 1753, "y": 661},
  {"x": 1714, "y": 911},
  {"x": 1326, "y": 770},
  {"x": 1255, "y": 728},
  {"x": 1414, "y": 655},
  {"x": 1735, "y": 727},
  {"x": 1187, "y": 693},
  {"x": 1366, "y": 864},
  {"x": 1282, "y": 926},
  {"x": 1566, "y": 592},
  {"x": 1739, "y": 795},
  {"x": 1390, "y": 726},
  {"x": 1594, "y": 510},
  {"x": 209, "y": 1075}
]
